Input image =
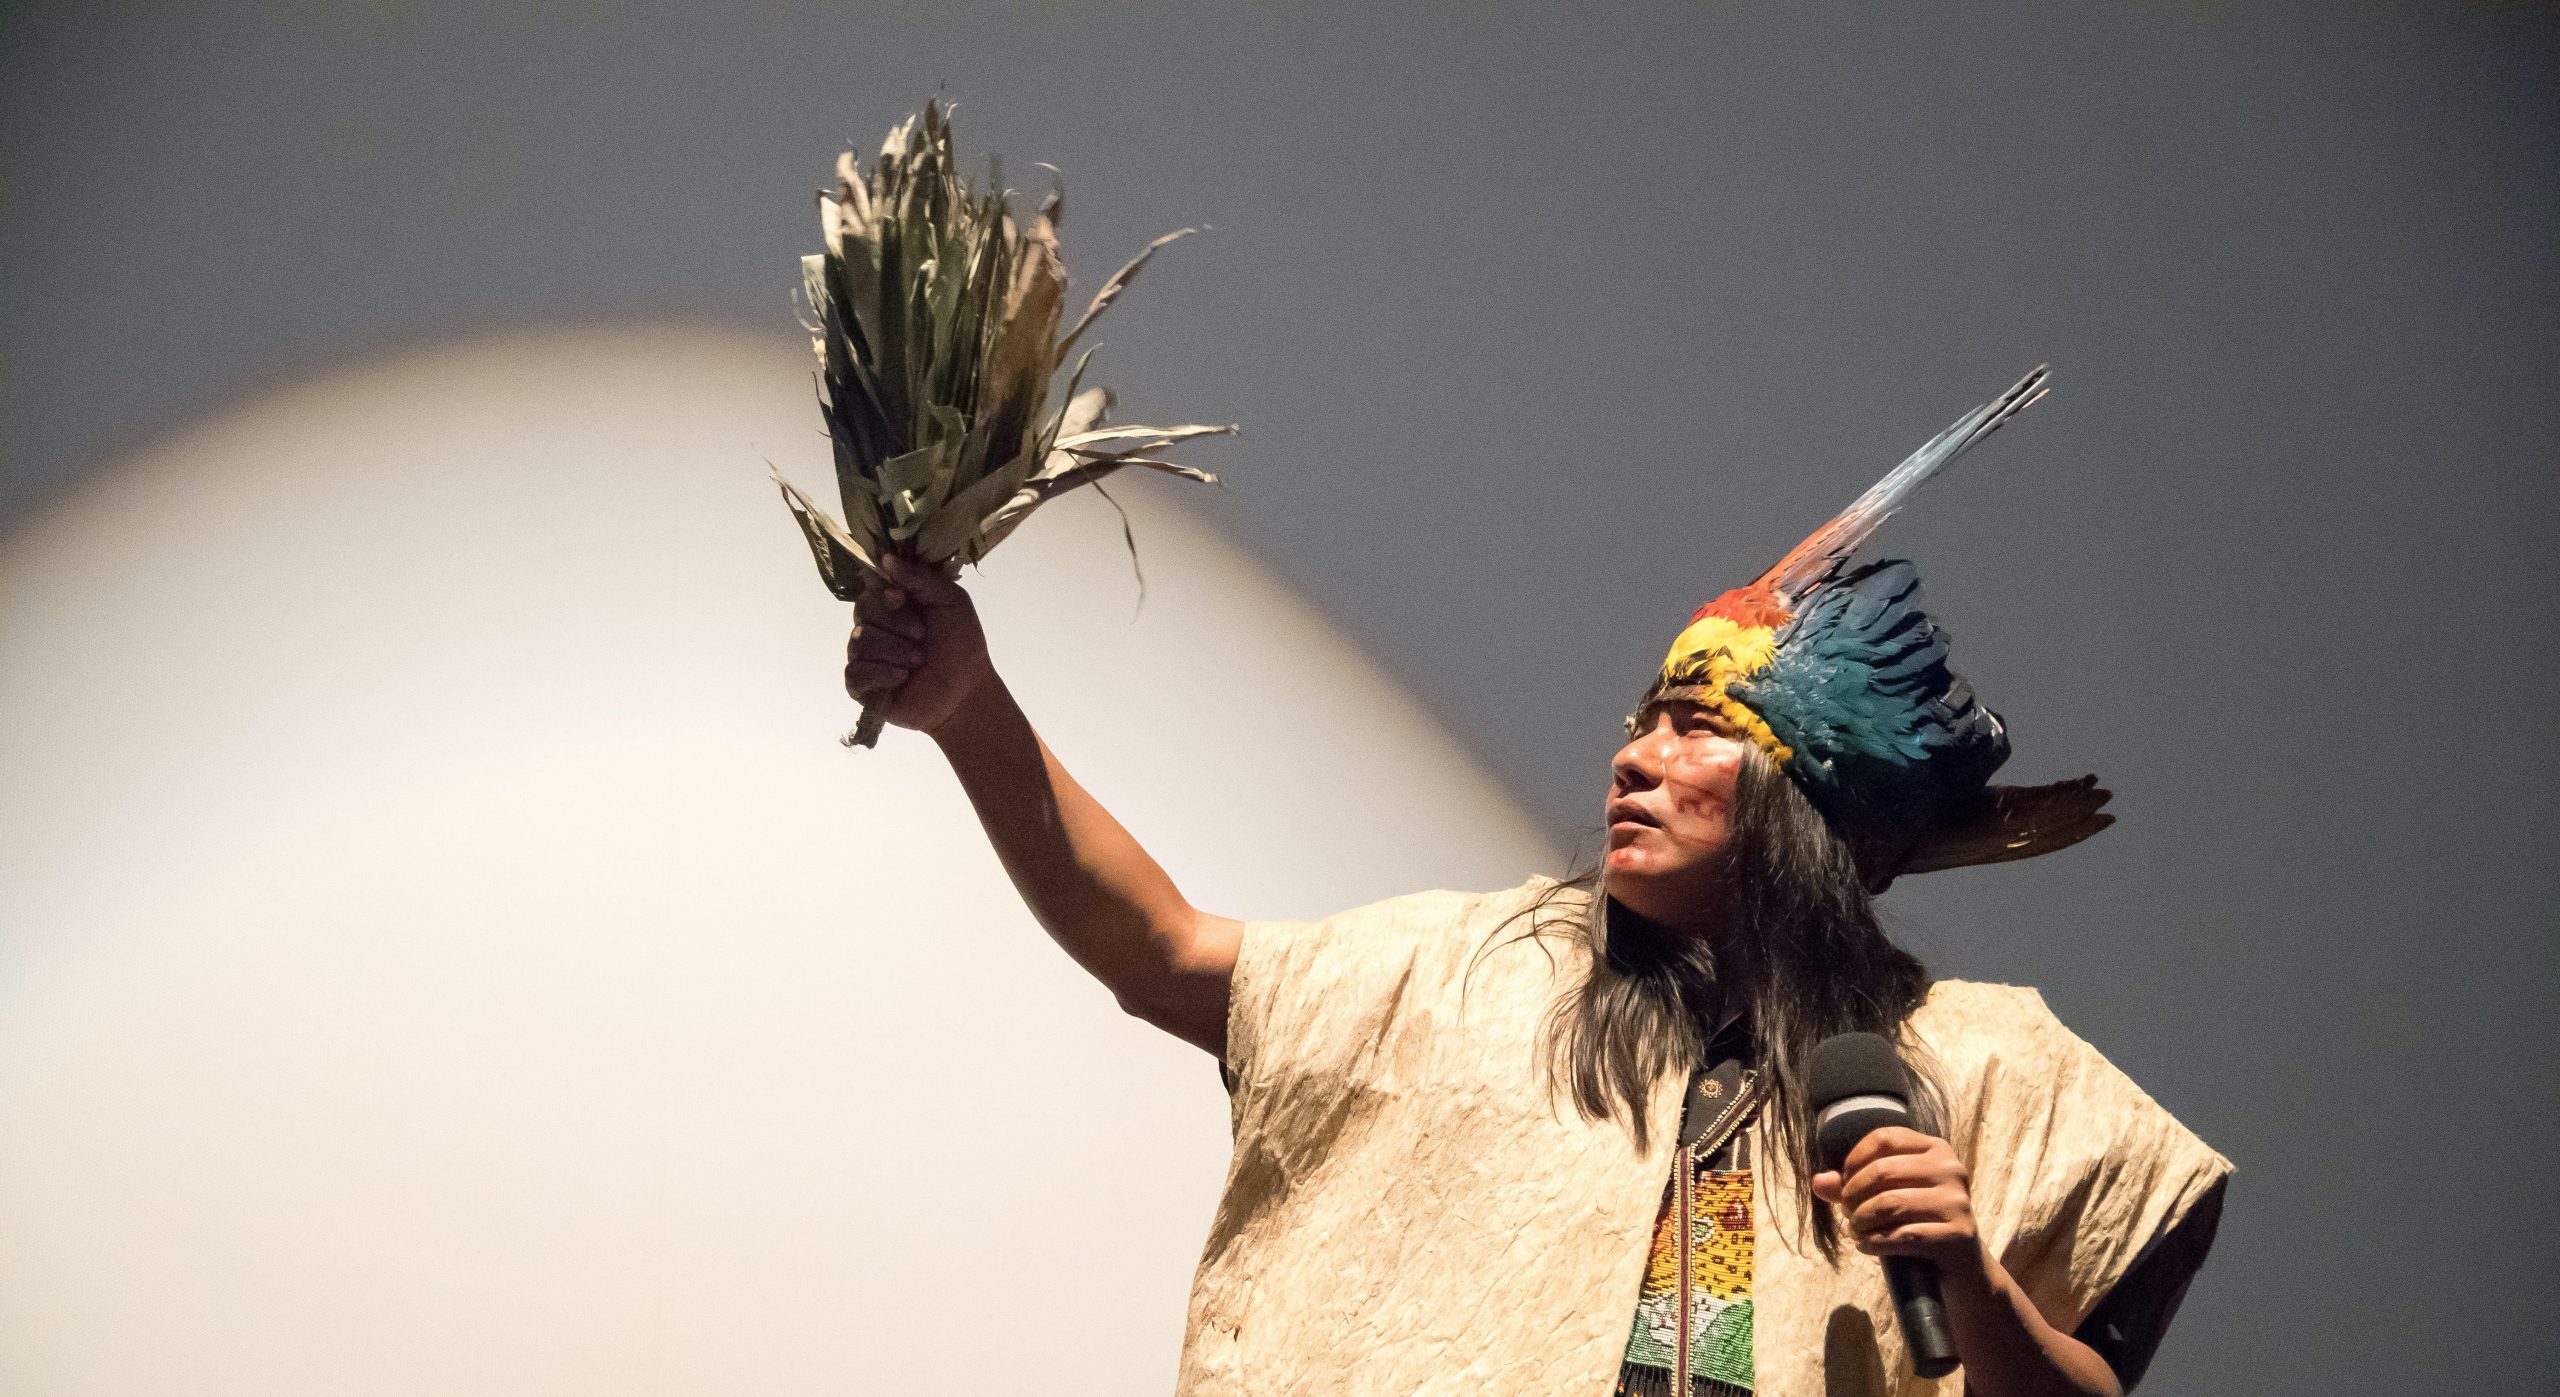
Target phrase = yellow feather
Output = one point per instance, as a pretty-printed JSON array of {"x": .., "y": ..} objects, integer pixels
[{"x": 1713, "y": 653}]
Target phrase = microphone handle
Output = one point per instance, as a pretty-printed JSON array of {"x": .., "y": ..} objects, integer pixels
[{"x": 1913, "y": 1283}]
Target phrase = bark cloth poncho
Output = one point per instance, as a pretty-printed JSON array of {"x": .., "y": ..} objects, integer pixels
[{"x": 1410, "y": 1210}]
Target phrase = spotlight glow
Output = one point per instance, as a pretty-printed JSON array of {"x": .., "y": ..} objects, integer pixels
[{"x": 444, "y": 950}]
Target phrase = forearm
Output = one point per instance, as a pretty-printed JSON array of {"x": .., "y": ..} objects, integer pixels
[
  {"x": 1087, "y": 881},
  {"x": 2008, "y": 1348}
]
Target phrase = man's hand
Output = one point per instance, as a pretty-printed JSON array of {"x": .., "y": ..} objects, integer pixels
[
  {"x": 1903, "y": 1193},
  {"x": 917, "y": 653}
]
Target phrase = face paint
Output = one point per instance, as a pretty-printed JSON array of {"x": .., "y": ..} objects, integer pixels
[
  {"x": 1697, "y": 786},
  {"x": 1670, "y": 812}
]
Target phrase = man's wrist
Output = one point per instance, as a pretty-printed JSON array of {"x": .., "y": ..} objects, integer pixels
[
  {"x": 1972, "y": 1283},
  {"x": 2006, "y": 1343},
  {"x": 982, "y": 708}
]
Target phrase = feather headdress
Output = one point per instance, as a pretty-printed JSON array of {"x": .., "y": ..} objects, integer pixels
[{"x": 1842, "y": 679}]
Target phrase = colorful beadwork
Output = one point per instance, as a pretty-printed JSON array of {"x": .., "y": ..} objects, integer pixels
[{"x": 1719, "y": 1284}]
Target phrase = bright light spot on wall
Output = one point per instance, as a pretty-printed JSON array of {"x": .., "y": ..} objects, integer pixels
[{"x": 443, "y": 949}]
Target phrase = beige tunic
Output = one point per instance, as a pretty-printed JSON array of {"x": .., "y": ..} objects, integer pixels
[{"x": 1408, "y": 1213}]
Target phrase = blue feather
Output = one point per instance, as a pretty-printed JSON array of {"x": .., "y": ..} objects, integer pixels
[{"x": 1885, "y": 737}]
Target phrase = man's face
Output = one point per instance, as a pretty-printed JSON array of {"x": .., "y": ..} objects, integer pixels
[{"x": 1670, "y": 811}]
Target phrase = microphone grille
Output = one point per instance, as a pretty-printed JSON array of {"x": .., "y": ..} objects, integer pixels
[{"x": 1854, "y": 1064}]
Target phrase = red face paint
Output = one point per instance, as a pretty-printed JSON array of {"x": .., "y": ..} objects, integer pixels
[{"x": 1670, "y": 811}]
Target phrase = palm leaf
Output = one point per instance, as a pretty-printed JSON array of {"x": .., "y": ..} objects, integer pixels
[{"x": 935, "y": 315}]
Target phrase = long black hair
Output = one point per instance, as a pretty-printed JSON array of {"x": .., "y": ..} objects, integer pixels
[{"x": 1794, "y": 949}]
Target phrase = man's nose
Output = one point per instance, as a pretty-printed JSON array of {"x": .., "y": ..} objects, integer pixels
[{"x": 1638, "y": 765}]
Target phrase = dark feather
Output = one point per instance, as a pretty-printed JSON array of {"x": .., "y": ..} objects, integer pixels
[{"x": 2012, "y": 822}]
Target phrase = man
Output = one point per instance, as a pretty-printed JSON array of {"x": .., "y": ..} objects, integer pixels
[{"x": 1541, "y": 1140}]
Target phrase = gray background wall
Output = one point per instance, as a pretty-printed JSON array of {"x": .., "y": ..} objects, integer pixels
[{"x": 1543, "y": 328}]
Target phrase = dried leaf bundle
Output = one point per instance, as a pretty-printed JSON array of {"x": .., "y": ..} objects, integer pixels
[{"x": 936, "y": 316}]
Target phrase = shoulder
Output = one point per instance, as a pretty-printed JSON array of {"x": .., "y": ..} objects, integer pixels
[
  {"x": 2014, "y": 1076},
  {"x": 1415, "y": 917},
  {"x": 1444, "y": 907},
  {"x": 1298, "y": 981},
  {"x": 1972, "y": 1024},
  {"x": 1395, "y": 942},
  {"x": 2002, "y": 1046},
  {"x": 2077, "y": 1171},
  {"x": 2007, "y": 1040}
]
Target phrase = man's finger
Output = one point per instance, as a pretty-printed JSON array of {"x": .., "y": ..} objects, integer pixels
[
  {"x": 884, "y": 647},
  {"x": 880, "y": 599},
  {"x": 871, "y": 679},
  {"x": 904, "y": 620},
  {"x": 1903, "y": 1207},
  {"x": 1899, "y": 1171},
  {"x": 1915, "y": 1239},
  {"x": 1882, "y": 1141}
]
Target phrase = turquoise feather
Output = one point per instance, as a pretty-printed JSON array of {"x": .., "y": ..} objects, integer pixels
[{"x": 1885, "y": 738}]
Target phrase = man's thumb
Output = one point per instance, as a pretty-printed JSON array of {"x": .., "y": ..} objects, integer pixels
[{"x": 926, "y": 584}]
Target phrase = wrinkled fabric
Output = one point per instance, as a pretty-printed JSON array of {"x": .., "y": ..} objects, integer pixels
[{"x": 1408, "y": 1212}]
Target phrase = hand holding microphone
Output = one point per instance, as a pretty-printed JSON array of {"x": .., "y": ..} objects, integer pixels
[{"x": 1903, "y": 1195}]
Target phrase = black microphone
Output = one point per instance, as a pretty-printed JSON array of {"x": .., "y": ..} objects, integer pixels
[{"x": 1855, "y": 1083}]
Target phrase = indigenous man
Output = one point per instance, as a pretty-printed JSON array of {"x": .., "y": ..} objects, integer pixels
[{"x": 1543, "y": 1140}]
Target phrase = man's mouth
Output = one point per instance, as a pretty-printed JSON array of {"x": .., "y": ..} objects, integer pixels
[{"x": 1627, "y": 812}]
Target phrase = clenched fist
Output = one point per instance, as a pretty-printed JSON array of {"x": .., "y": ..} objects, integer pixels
[
  {"x": 1902, "y": 1193},
  {"x": 917, "y": 653}
]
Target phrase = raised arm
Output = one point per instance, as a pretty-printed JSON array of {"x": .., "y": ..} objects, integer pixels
[{"x": 918, "y": 649}]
